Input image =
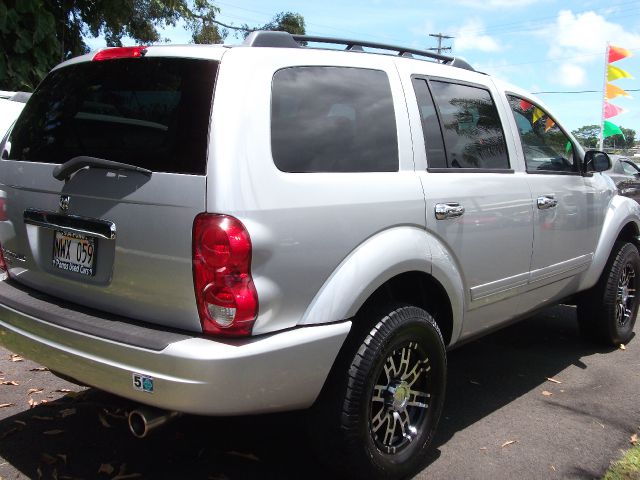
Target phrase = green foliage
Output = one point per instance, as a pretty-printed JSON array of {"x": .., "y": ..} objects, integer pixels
[
  {"x": 627, "y": 468},
  {"x": 29, "y": 46},
  {"x": 282, "y": 22},
  {"x": 37, "y": 34},
  {"x": 588, "y": 137}
]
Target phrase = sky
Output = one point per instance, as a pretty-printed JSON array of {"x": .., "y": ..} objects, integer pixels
[{"x": 538, "y": 45}]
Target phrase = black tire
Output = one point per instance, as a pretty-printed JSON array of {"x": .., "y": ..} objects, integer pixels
[
  {"x": 381, "y": 404},
  {"x": 607, "y": 312}
]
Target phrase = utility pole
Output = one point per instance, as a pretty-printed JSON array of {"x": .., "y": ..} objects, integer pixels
[{"x": 440, "y": 48}]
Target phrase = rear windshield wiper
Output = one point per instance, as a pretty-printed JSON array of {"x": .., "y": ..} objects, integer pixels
[{"x": 68, "y": 168}]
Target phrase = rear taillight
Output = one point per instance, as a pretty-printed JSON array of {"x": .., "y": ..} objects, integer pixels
[
  {"x": 227, "y": 299},
  {"x": 120, "y": 52}
]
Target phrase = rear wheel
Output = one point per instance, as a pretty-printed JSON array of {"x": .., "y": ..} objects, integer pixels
[
  {"x": 607, "y": 312},
  {"x": 384, "y": 401}
]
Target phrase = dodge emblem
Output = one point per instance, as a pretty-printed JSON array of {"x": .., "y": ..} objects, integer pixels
[{"x": 64, "y": 202}]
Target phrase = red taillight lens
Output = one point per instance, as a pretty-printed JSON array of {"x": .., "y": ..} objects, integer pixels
[
  {"x": 227, "y": 299},
  {"x": 120, "y": 52}
]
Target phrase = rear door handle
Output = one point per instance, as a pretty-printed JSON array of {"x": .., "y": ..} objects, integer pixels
[
  {"x": 547, "y": 201},
  {"x": 445, "y": 211}
]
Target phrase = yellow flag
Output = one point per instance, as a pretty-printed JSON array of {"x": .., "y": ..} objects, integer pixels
[
  {"x": 614, "y": 73},
  {"x": 537, "y": 115},
  {"x": 614, "y": 91}
]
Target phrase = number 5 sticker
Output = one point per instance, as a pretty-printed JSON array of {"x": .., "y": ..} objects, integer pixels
[{"x": 142, "y": 383}]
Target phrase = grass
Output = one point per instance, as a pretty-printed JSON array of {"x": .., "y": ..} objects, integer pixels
[{"x": 627, "y": 468}]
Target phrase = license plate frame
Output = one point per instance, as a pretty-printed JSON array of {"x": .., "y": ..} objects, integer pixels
[{"x": 74, "y": 253}]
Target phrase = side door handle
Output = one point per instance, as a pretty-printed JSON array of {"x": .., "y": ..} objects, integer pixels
[
  {"x": 445, "y": 211},
  {"x": 547, "y": 201}
]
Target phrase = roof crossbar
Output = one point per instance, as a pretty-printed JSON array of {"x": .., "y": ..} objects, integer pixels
[{"x": 284, "y": 39}]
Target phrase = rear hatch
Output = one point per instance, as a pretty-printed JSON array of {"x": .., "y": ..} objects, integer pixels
[{"x": 115, "y": 237}]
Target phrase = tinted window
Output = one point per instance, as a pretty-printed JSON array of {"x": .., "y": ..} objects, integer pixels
[
  {"x": 545, "y": 146},
  {"x": 332, "y": 119},
  {"x": 149, "y": 112},
  {"x": 473, "y": 135},
  {"x": 431, "y": 132}
]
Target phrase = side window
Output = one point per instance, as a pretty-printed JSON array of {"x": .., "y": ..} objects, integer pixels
[
  {"x": 546, "y": 147},
  {"x": 333, "y": 119},
  {"x": 433, "y": 142},
  {"x": 471, "y": 128},
  {"x": 629, "y": 168}
]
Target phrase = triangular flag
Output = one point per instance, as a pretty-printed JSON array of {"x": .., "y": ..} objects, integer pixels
[
  {"x": 609, "y": 129},
  {"x": 548, "y": 125},
  {"x": 524, "y": 105},
  {"x": 611, "y": 110},
  {"x": 614, "y": 73},
  {"x": 537, "y": 115},
  {"x": 618, "y": 53},
  {"x": 612, "y": 91}
]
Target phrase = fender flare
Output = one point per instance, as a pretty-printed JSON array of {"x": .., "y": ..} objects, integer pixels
[
  {"x": 377, "y": 260},
  {"x": 620, "y": 212}
]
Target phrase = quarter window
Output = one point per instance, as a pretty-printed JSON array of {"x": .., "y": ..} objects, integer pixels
[
  {"x": 546, "y": 147},
  {"x": 333, "y": 119},
  {"x": 471, "y": 128}
]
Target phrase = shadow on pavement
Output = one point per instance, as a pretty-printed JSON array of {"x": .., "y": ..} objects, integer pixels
[{"x": 86, "y": 436}]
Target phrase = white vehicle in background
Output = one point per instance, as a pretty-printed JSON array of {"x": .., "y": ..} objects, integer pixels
[{"x": 11, "y": 104}]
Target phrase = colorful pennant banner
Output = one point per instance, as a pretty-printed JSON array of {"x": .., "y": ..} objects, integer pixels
[
  {"x": 615, "y": 73},
  {"x": 611, "y": 129},
  {"x": 611, "y": 110},
  {"x": 618, "y": 53},
  {"x": 612, "y": 91}
]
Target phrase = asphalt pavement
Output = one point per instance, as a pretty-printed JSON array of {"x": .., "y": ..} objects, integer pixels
[{"x": 529, "y": 402}]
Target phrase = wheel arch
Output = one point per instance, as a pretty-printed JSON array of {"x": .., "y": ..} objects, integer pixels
[
  {"x": 399, "y": 265},
  {"x": 621, "y": 223}
]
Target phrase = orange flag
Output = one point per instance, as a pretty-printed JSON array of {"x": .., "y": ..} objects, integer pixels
[
  {"x": 548, "y": 125},
  {"x": 614, "y": 91}
]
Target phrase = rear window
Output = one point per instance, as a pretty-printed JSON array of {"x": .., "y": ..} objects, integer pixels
[
  {"x": 333, "y": 119},
  {"x": 149, "y": 112}
]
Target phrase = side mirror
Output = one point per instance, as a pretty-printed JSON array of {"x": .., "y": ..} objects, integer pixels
[{"x": 596, "y": 161}]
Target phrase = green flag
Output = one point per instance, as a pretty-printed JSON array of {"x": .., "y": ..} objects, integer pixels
[{"x": 611, "y": 129}]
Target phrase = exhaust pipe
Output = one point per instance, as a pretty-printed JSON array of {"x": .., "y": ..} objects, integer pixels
[{"x": 144, "y": 419}]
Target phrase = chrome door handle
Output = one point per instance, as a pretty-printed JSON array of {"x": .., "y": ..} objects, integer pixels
[
  {"x": 547, "y": 201},
  {"x": 445, "y": 211}
]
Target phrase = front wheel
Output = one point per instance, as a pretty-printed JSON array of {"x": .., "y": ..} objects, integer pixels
[
  {"x": 607, "y": 312},
  {"x": 387, "y": 396}
]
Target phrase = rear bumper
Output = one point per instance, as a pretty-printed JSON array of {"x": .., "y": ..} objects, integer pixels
[{"x": 277, "y": 372}]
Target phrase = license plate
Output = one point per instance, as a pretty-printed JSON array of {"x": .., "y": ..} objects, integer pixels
[{"x": 74, "y": 253}]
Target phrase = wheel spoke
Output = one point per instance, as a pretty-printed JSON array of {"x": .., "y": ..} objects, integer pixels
[
  {"x": 378, "y": 392},
  {"x": 391, "y": 429},
  {"x": 418, "y": 399},
  {"x": 405, "y": 360},
  {"x": 380, "y": 419},
  {"x": 390, "y": 369},
  {"x": 408, "y": 431},
  {"x": 420, "y": 367}
]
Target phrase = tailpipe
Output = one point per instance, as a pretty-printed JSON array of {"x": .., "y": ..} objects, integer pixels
[{"x": 143, "y": 420}]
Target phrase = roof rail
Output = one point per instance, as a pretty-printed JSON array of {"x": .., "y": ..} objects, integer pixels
[{"x": 287, "y": 40}]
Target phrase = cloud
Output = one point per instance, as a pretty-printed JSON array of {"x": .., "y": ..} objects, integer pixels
[
  {"x": 579, "y": 40},
  {"x": 470, "y": 37}
]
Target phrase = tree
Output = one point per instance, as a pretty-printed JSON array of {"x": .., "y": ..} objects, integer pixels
[
  {"x": 37, "y": 34},
  {"x": 588, "y": 136}
]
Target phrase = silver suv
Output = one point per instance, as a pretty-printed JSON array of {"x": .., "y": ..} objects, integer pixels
[{"x": 235, "y": 230}]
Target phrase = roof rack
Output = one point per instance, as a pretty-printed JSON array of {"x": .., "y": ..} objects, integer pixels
[{"x": 286, "y": 40}]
